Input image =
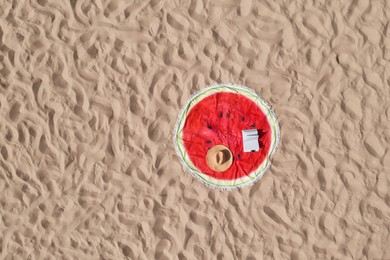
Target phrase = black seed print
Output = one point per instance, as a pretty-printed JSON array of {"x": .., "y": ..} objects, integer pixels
[
  {"x": 209, "y": 127},
  {"x": 227, "y": 115},
  {"x": 253, "y": 125},
  {"x": 208, "y": 141},
  {"x": 243, "y": 118},
  {"x": 221, "y": 115},
  {"x": 238, "y": 156}
]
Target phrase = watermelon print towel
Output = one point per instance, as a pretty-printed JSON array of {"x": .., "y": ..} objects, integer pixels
[{"x": 217, "y": 115}]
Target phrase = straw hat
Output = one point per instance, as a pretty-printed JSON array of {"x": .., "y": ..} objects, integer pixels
[{"x": 219, "y": 158}]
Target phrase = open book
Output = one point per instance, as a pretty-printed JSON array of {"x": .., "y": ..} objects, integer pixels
[{"x": 250, "y": 140}]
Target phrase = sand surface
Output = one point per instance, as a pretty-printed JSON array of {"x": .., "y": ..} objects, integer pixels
[{"x": 89, "y": 95}]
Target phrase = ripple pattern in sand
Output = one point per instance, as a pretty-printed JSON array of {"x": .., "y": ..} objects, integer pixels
[{"x": 89, "y": 94}]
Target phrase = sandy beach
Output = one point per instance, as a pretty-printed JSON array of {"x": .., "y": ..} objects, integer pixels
[{"x": 90, "y": 92}]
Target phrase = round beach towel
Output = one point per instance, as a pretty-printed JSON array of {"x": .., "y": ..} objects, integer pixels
[{"x": 216, "y": 115}]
